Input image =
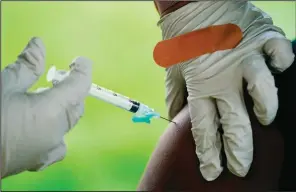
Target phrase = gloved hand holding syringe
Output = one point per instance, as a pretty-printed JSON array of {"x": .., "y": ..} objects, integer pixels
[{"x": 142, "y": 112}]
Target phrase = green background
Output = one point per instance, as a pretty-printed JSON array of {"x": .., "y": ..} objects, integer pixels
[{"x": 106, "y": 151}]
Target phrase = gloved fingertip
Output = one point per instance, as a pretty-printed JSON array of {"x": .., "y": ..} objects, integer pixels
[
  {"x": 75, "y": 87},
  {"x": 81, "y": 69},
  {"x": 266, "y": 112},
  {"x": 37, "y": 43},
  {"x": 82, "y": 64},
  {"x": 211, "y": 174},
  {"x": 239, "y": 172},
  {"x": 33, "y": 56},
  {"x": 281, "y": 53},
  {"x": 265, "y": 119}
]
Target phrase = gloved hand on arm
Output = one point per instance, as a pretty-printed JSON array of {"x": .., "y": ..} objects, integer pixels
[
  {"x": 213, "y": 82},
  {"x": 33, "y": 124}
]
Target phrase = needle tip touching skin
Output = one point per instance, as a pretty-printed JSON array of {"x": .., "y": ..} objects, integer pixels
[{"x": 167, "y": 120}]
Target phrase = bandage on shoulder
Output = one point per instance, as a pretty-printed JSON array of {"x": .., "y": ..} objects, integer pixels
[{"x": 196, "y": 43}]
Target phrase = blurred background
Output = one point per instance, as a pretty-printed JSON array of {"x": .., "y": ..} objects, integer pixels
[{"x": 106, "y": 151}]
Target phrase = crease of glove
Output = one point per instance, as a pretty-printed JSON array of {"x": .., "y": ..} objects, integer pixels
[
  {"x": 33, "y": 124},
  {"x": 214, "y": 81}
]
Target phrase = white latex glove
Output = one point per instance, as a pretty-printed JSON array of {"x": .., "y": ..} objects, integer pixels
[
  {"x": 33, "y": 125},
  {"x": 213, "y": 82}
]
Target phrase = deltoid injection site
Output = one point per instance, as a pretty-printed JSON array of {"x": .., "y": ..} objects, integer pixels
[{"x": 143, "y": 113}]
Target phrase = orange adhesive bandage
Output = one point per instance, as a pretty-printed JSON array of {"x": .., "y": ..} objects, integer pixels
[{"x": 196, "y": 43}]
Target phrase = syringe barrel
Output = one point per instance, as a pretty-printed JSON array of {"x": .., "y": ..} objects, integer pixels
[
  {"x": 103, "y": 94},
  {"x": 114, "y": 98}
]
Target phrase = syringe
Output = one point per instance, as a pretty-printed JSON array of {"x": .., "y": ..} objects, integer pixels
[{"x": 142, "y": 112}]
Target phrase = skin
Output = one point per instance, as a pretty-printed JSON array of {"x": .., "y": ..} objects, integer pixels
[{"x": 174, "y": 166}]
